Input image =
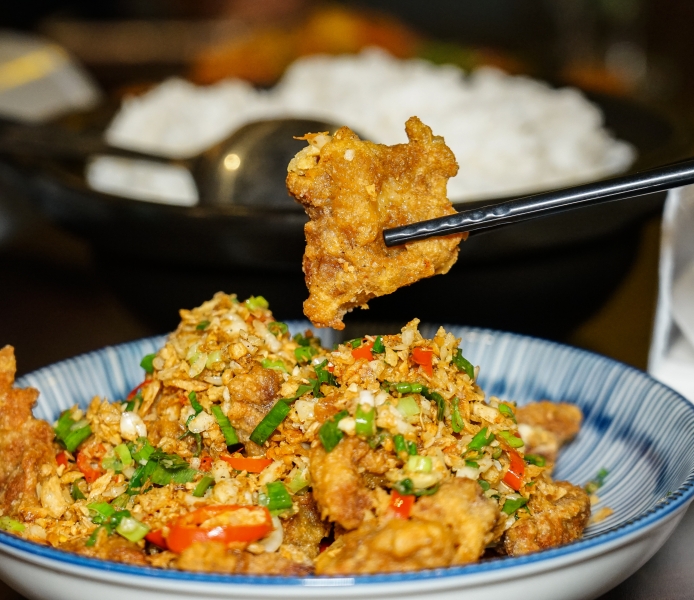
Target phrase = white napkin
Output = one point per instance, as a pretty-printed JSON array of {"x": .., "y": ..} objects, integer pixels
[{"x": 671, "y": 357}]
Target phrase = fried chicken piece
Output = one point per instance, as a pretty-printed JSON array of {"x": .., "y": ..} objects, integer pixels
[
  {"x": 305, "y": 529},
  {"x": 352, "y": 190},
  {"x": 546, "y": 426},
  {"x": 559, "y": 513},
  {"x": 26, "y": 447}
]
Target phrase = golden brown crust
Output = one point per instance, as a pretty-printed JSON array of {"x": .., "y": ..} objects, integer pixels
[
  {"x": 546, "y": 426},
  {"x": 351, "y": 191}
]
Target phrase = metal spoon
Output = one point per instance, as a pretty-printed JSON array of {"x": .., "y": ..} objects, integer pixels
[
  {"x": 248, "y": 168},
  {"x": 540, "y": 205}
]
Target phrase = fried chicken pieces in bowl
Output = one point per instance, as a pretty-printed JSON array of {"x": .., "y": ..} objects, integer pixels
[{"x": 353, "y": 189}]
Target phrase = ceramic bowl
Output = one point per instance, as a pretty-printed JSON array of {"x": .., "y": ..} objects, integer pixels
[{"x": 639, "y": 430}]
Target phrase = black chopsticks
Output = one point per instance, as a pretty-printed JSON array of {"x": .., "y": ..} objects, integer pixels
[{"x": 547, "y": 203}]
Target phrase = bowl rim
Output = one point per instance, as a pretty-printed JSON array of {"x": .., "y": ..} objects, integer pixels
[{"x": 665, "y": 508}]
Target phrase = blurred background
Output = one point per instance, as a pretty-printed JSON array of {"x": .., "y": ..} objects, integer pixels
[{"x": 81, "y": 269}]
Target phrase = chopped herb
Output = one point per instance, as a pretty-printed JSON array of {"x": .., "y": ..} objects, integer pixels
[
  {"x": 132, "y": 529},
  {"x": 378, "y": 439},
  {"x": 276, "y": 365},
  {"x": 507, "y": 411},
  {"x": 511, "y": 505},
  {"x": 419, "y": 464},
  {"x": 76, "y": 492},
  {"x": 483, "y": 484},
  {"x": 71, "y": 433},
  {"x": 270, "y": 422},
  {"x": 355, "y": 343},
  {"x": 463, "y": 364},
  {"x": 329, "y": 433},
  {"x": 535, "y": 459},
  {"x": 141, "y": 450},
  {"x": 595, "y": 484},
  {"x": 481, "y": 440},
  {"x": 277, "y": 498},
  {"x": 305, "y": 353},
  {"x": 408, "y": 406},
  {"x": 440, "y": 404},
  {"x": 8, "y": 524},
  {"x": 399, "y": 444},
  {"x": 411, "y": 448},
  {"x": 202, "y": 486},
  {"x": 277, "y": 328},
  {"x": 378, "y": 347},
  {"x": 472, "y": 464},
  {"x": 457, "y": 423},
  {"x": 147, "y": 363},
  {"x": 511, "y": 439},
  {"x": 225, "y": 425},
  {"x": 406, "y": 488},
  {"x": 302, "y": 340},
  {"x": 122, "y": 452},
  {"x": 256, "y": 302},
  {"x": 202, "y": 325},
  {"x": 298, "y": 482},
  {"x": 365, "y": 421},
  {"x": 193, "y": 397},
  {"x": 325, "y": 376}
]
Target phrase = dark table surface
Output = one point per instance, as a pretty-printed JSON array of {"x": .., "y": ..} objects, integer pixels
[{"x": 55, "y": 303}]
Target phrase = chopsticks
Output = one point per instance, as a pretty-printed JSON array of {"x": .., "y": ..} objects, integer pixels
[{"x": 547, "y": 203}]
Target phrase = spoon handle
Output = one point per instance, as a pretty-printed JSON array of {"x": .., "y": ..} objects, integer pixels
[{"x": 548, "y": 203}]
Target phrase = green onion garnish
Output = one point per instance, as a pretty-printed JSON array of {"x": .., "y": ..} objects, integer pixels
[
  {"x": 399, "y": 443},
  {"x": 123, "y": 454},
  {"x": 507, "y": 411},
  {"x": 225, "y": 425},
  {"x": 146, "y": 363},
  {"x": 298, "y": 482},
  {"x": 193, "y": 397},
  {"x": 511, "y": 505},
  {"x": 483, "y": 484},
  {"x": 256, "y": 302},
  {"x": 472, "y": 464},
  {"x": 463, "y": 363},
  {"x": 481, "y": 440},
  {"x": 202, "y": 325},
  {"x": 595, "y": 484},
  {"x": 419, "y": 464},
  {"x": 278, "y": 498},
  {"x": 511, "y": 440},
  {"x": 408, "y": 406},
  {"x": 302, "y": 340},
  {"x": 277, "y": 365},
  {"x": 355, "y": 343},
  {"x": 325, "y": 376},
  {"x": 202, "y": 486},
  {"x": 277, "y": 328},
  {"x": 535, "y": 459},
  {"x": 305, "y": 353},
  {"x": 71, "y": 433},
  {"x": 378, "y": 347},
  {"x": 497, "y": 452},
  {"x": 440, "y": 404},
  {"x": 76, "y": 492},
  {"x": 270, "y": 422},
  {"x": 329, "y": 433},
  {"x": 8, "y": 524},
  {"x": 365, "y": 422},
  {"x": 132, "y": 529},
  {"x": 411, "y": 448},
  {"x": 457, "y": 423},
  {"x": 406, "y": 488}
]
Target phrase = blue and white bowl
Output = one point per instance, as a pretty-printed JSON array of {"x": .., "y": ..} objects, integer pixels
[{"x": 639, "y": 430}]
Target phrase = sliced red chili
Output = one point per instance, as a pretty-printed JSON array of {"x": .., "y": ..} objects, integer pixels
[
  {"x": 423, "y": 357},
  {"x": 89, "y": 462},
  {"x": 401, "y": 505},
  {"x": 363, "y": 351},
  {"x": 514, "y": 476}
]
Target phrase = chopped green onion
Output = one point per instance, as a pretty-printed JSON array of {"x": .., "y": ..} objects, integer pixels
[
  {"x": 457, "y": 423},
  {"x": 511, "y": 505},
  {"x": 483, "y": 484},
  {"x": 121, "y": 501},
  {"x": 142, "y": 451},
  {"x": 497, "y": 452},
  {"x": 92, "y": 538},
  {"x": 440, "y": 404},
  {"x": 411, "y": 448},
  {"x": 481, "y": 440},
  {"x": 355, "y": 343},
  {"x": 132, "y": 529},
  {"x": 329, "y": 433},
  {"x": 202, "y": 325},
  {"x": 278, "y": 497},
  {"x": 419, "y": 464},
  {"x": 193, "y": 397},
  {"x": 270, "y": 422},
  {"x": 399, "y": 443},
  {"x": 298, "y": 482},
  {"x": 365, "y": 422},
  {"x": 511, "y": 440},
  {"x": 378, "y": 347},
  {"x": 276, "y": 365},
  {"x": 305, "y": 353},
  {"x": 213, "y": 358},
  {"x": 535, "y": 459},
  {"x": 76, "y": 492},
  {"x": 408, "y": 406},
  {"x": 376, "y": 440},
  {"x": 507, "y": 411},
  {"x": 225, "y": 425},
  {"x": 123, "y": 454},
  {"x": 8, "y": 524},
  {"x": 472, "y": 464},
  {"x": 325, "y": 376},
  {"x": 102, "y": 510},
  {"x": 302, "y": 340},
  {"x": 256, "y": 302},
  {"x": 463, "y": 363},
  {"x": 147, "y": 363},
  {"x": 277, "y": 328},
  {"x": 202, "y": 486},
  {"x": 71, "y": 433},
  {"x": 402, "y": 387},
  {"x": 595, "y": 484},
  {"x": 406, "y": 488}
]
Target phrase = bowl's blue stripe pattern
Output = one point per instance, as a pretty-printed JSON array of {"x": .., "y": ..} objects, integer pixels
[{"x": 636, "y": 428}]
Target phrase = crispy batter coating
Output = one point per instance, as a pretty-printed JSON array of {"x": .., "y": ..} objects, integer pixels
[
  {"x": 26, "y": 447},
  {"x": 546, "y": 426},
  {"x": 559, "y": 513},
  {"x": 352, "y": 190}
]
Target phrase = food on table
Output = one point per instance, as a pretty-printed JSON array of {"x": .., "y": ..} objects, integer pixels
[
  {"x": 510, "y": 134},
  {"x": 248, "y": 450},
  {"x": 352, "y": 190}
]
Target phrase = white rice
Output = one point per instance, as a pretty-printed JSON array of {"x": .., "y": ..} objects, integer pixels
[{"x": 510, "y": 134}]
